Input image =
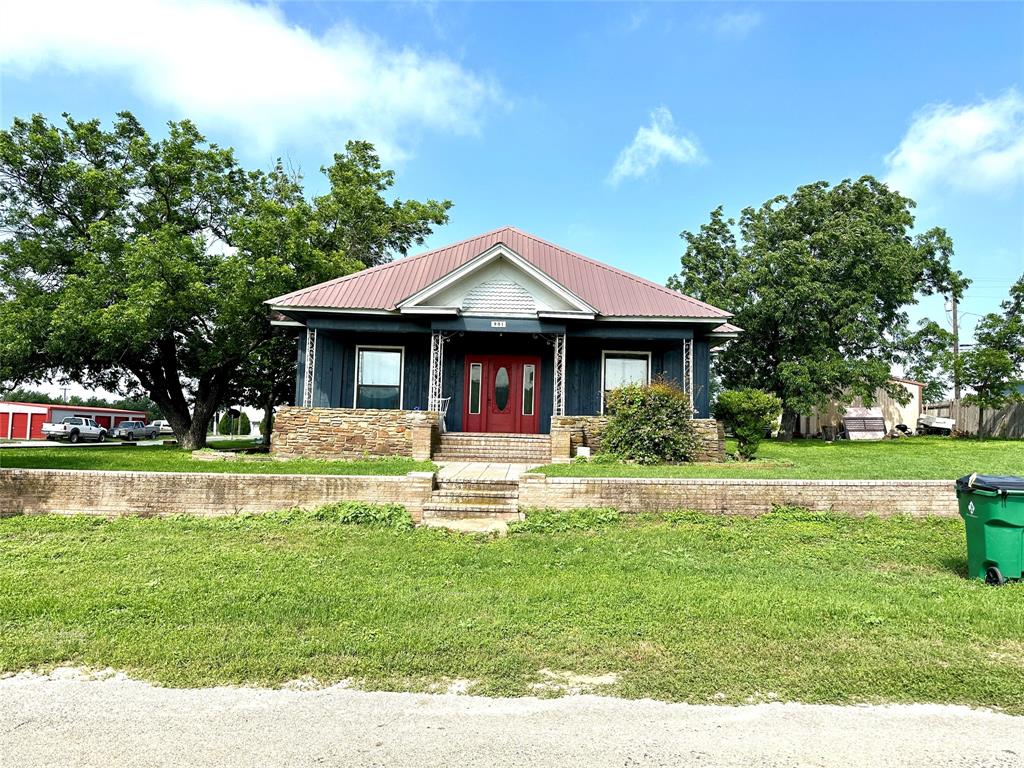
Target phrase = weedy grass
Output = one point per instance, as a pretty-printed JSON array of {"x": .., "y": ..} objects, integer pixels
[
  {"x": 170, "y": 458},
  {"x": 912, "y": 458},
  {"x": 689, "y": 607}
]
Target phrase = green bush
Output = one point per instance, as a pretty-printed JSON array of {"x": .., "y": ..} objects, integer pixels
[
  {"x": 553, "y": 520},
  {"x": 392, "y": 516},
  {"x": 748, "y": 414},
  {"x": 650, "y": 424},
  {"x": 229, "y": 426}
]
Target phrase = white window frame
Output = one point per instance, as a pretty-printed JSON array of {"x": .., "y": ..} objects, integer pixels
[
  {"x": 401, "y": 371},
  {"x": 533, "y": 391},
  {"x": 635, "y": 353},
  {"x": 469, "y": 393}
]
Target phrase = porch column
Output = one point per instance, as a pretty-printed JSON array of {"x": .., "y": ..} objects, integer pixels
[
  {"x": 558, "y": 398},
  {"x": 310, "y": 377},
  {"x": 436, "y": 380},
  {"x": 688, "y": 368}
]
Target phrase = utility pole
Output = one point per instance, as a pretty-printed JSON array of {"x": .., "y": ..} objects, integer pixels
[{"x": 956, "y": 352}]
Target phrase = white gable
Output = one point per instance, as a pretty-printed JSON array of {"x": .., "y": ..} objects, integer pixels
[
  {"x": 500, "y": 287},
  {"x": 498, "y": 282}
]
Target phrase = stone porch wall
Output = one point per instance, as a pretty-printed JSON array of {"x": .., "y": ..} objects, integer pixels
[
  {"x": 350, "y": 433},
  {"x": 154, "y": 494},
  {"x": 917, "y": 498},
  {"x": 570, "y": 432}
]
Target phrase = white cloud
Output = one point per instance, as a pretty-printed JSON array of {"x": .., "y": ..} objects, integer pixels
[
  {"x": 736, "y": 25},
  {"x": 246, "y": 67},
  {"x": 976, "y": 148},
  {"x": 652, "y": 144}
]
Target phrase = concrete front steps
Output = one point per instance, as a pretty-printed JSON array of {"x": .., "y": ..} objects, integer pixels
[
  {"x": 494, "y": 447},
  {"x": 473, "y": 505}
]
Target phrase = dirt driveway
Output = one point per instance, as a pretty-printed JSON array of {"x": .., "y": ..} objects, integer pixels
[{"x": 64, "y": 720}]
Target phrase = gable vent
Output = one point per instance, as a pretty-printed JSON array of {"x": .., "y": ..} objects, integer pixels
[{"x": 499, "y": 297}]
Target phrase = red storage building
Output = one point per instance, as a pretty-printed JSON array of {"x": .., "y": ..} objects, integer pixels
[{"x": 20, "y": 421}]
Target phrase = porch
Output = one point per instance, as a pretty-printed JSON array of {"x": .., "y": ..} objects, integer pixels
[{"x": 510, "y": 379}]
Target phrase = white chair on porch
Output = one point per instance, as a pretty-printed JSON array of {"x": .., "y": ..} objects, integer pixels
[{"x": 442, "y": 408}]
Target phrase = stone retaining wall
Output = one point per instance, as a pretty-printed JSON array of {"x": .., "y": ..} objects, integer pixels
[
  {"x": 570, "y": 432},
  {"x": 113, "y": 494},
  {"x": 350, "y": 433},
  {"x": 740, "y": 497}
]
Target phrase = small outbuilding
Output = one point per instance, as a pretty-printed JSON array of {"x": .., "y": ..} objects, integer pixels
[{"x": 24, "y": 421}]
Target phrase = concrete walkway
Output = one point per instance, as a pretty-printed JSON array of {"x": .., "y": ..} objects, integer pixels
[
  {"x": 480, "y": 470},
  {"x": 62, "y": 720}
]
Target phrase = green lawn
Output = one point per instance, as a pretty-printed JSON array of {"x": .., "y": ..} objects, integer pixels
[
  {"x": 685, "y": 607},
  {"x": 170, "y": 458},
  {"x": 918, "y": 458}
]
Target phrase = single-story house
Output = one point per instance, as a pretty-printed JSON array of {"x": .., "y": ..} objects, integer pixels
[
  {"x": 829, "y": 420},
  {"x": 500, "y": 332},
  {"x": 24, "y": 421}
]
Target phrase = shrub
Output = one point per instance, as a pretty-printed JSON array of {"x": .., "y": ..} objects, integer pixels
[
  {"x": 390, "y": 516},
  {"x": 650, "y": 424},
  {"x": 230, "y": 426},
  {"x": 748, "y": 414},
  {"x": 553, "y": 520}
]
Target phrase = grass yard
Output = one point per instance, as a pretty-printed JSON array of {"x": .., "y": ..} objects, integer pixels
[
  {"x": 683, "y": 607},
  {"x": 170, "y": 458},
  {"x": 917, "y": 458}
]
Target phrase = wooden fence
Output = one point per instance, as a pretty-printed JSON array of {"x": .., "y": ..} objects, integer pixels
[{"x": 1007, "y": 422}]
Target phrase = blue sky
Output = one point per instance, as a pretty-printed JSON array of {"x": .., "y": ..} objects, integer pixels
[{"x": 607, "y": 128}]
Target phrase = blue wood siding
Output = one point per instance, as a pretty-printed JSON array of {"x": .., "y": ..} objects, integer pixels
[
  {"x": 300, "y": 366},
  {"x": 334, "y": 379}
]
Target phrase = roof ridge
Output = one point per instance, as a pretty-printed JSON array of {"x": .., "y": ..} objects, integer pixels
[{"x": 622, "y": 272}]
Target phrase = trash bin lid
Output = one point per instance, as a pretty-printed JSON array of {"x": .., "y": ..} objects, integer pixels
[{"x": 994, "y": 483}]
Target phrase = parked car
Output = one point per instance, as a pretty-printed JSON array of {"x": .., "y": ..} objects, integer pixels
[
  {"x": 74, "y": 429},
  {"x": 163, "y": 426},
  {"x": 136, "y": 430}
]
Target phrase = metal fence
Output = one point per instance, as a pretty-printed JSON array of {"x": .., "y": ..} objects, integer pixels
[{"x": 1007, "y": 422}]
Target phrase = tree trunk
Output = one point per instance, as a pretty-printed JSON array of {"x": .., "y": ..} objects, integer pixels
[
  {"x": 981, "y": 422},
  {"x": 268, "y": 418},
  {"x": 789, "y": 422}
]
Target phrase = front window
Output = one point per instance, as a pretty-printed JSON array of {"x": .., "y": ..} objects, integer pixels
[
  {"x": 622, "y": 369},
  {"x": 378, "y": 378}
]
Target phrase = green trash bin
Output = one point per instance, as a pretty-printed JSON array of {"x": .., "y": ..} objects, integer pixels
[{"x": 992, "y": 507}]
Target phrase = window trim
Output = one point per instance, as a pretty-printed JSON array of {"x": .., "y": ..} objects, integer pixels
[
  {"x": 480, "y": 391},
  {"x": 533, "y": 391},
  {"x": 401, "y": 371},
  {"x": 613, "y": 352}
]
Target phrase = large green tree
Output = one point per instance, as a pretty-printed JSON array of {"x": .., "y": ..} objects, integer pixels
[
  {"x": 928, "y": 358},
  {"x": 819, "y": 280},
  {"x": 129, "y": 259},
  {"x": 993, "y": 368}
]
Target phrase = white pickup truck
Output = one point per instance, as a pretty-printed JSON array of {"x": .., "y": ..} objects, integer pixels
[{"x": 74, "y": 429}]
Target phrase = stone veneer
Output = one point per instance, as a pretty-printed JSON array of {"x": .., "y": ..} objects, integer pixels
[
  {"x": 739, "y": 497},
  {"x": 350, "y": 433},
  {"x": 207, "y": 494},
  {"x": 570, "y": 432}
]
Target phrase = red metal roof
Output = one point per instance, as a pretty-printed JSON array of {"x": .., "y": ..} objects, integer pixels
[
  {"x": 72, "y": 407},
  {"x": 610, "y": 291}
]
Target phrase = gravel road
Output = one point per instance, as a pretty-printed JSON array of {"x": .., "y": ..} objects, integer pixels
[{"x": 64, "y": 720}]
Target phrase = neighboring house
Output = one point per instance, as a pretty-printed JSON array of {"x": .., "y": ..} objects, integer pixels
[
  {"x": 830, "y": 419},
  {"x": 24, "y": 421},
  {"x": 503, "y": 330}
]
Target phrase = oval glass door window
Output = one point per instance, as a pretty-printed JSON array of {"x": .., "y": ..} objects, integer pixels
[{"x": 501, "y": 389}]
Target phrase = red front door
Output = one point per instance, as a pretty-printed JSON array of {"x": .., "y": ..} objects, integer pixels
[{"x": 502, "y": 394}]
